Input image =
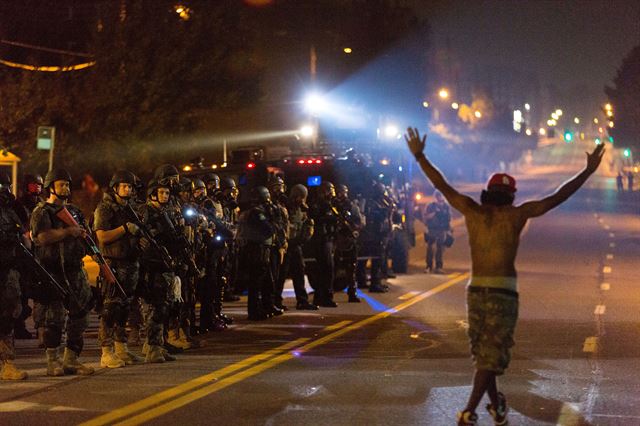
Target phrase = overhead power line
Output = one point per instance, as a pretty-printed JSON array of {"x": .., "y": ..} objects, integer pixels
[{"x": 46, "y": 49}]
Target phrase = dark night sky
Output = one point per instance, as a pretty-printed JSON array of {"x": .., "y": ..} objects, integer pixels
[{"x": 565, "y": 43}]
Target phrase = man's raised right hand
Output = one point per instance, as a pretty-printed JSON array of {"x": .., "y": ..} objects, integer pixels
[{"x": 414, "y": 142}]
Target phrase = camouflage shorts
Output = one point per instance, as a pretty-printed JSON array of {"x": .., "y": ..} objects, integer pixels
[{"x": 492, "y": 320}]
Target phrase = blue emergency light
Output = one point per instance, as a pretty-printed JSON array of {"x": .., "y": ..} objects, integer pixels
[{"x": 314, "y": 180}]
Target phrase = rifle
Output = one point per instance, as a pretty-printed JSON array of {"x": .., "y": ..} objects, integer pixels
[
  {"x": 182, "y": 241},
  {"x": 68, "y": 219},
  {"x": 132, "y": 217},
  {"x": 41, "y": 271}
]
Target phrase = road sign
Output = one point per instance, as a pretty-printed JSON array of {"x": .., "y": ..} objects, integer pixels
[{"x": 45, "y": 137}]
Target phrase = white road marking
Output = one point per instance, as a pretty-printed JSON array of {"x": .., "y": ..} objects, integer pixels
[
  {"x": 609, "y": 256},
  {"x": 612, "y": 235},
  {"x": 605, "y": 286},
  {"x": 569, "y": 415},
  {"x": 607, "y": 227},
  {"x": 612, "y": 245},
  {"x": 606, "y": 270},
  {"x": 600, "y": 309}
]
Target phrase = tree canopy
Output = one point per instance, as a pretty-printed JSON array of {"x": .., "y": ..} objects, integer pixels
[{"x": 624, "y": 96}]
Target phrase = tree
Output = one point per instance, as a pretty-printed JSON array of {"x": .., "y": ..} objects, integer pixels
[
  {"x": 156, "y": 76},
  {"x": 625, "y": 98}
]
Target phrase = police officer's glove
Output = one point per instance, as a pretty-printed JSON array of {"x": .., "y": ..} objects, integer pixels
[{"x": 132, "y": 228}]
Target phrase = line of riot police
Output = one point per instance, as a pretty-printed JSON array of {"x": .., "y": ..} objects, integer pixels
[{"x": 162, "y": 250}]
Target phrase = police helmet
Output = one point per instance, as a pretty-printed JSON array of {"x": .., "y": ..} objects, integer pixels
[
  {"x": 276, "y": 181},
  {"x": 227, "y": 183},
  {"x": 260, "y": 195},
  {"x": 342, "y": 189},
  {"x": 153, "y": 186},
  {"x": 164, "y": 171},
  {"x": 37, "y": 179},
  {"x": 122, "y": 176},
  {"x": 184, "y": 184},
  {"x": 198, "y": 184},
  {"x": 298, "y": 190},
  {"x": 212, "y": 177},
  {"x": 56, "y": 174},
  {"x": 327, "y": 189}
]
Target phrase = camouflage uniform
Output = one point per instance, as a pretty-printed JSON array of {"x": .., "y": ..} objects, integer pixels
[
  {"x": 122, "y": 257},
  {"x": 10, "y": 303},
  {"x": 64, "y": 261},
  {"x": 157, "y": 280}
]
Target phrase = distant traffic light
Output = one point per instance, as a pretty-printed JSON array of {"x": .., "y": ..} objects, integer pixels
[
  {"x": 626, "y": 152},
  {"x": 568, "y": 136},
  {"x": 598, "y": 141},
  {"x": 611, "y": 139}
]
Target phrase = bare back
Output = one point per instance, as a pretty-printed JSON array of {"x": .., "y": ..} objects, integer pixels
[{"x": 494, "y": 237}]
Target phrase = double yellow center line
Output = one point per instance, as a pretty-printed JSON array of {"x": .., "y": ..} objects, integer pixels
[{"x": 171, "y": 399}]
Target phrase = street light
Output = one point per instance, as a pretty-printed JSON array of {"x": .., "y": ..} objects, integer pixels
[
  {"x": 391, "y": 131},
  {"x": 314, "y": 103},
  {"x": 576, "y": 120},
  {"x": 527, "y": 107},
  {"x": 443, "y": 93},
  {"x": 478, "y": 114},
  {"x": 455, "y": 105},
  {"x": 595, "y": 120},
  {"x": 542, "y": 131},
  {"x": 306, "y": 131},
  {"x": 347, "y": 50},
  {"x": 559, "y": 112},
  {"x": 425, "y": 104},
  {"x": 608, "y": 107}
]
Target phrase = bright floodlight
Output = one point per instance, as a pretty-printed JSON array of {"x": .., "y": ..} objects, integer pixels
[
  {"x": 391, "y": 131},
  {"x": 314, "y": 103},
  {"x": 306, "y": 131}
]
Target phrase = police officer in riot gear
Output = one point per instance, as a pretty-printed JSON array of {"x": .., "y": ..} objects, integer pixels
[
  {"x": 159, "y": 279},
  {"x": 60, "y": 249},
  {"x": 24, "y": 205},
  {"x": 118, "y": 240},
  {"x": 300, "y": 231},
  {"x": 349, "y": 226},
  {"x": 211, "y": 286},
  {"x": 321, "y": 272},
  {"x": 11, "y": 231},
  {"x": 255, "y": 238},
  {"x": 280, "y": 242},
  {"x": 375, "y": 234},
  {"x": 229, "y": 200}
]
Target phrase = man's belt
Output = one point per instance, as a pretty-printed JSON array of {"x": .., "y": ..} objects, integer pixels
[{"x": 492, "y": 290}]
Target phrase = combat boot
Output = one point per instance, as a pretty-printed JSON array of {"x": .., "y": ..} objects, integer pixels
[
  {"x": 167, "y": 356},
  {"x": 71, "y": 365},
  {"x": 154, "y": 355},
  {"x": 176, "y": 339},
  {"x": 110, "y": 359},
  {"x": 11, "y": 372},
  {"x": 54, "y": 366},
  {"x": 195, "y": 343},
  {"x": 123, "y": 352}
]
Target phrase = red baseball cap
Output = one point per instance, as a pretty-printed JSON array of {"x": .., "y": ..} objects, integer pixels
[{"x": 502, "y": 181}]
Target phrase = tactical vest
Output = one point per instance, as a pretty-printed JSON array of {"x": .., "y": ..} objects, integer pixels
[{"x": 110, "y": 215}]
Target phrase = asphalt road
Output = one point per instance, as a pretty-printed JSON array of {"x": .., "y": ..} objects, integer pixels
[{"x": 400, "y": 358}]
